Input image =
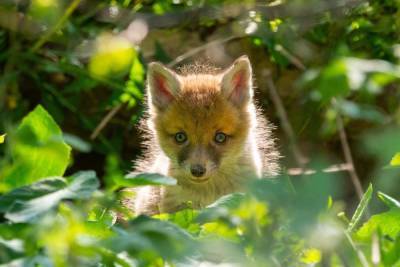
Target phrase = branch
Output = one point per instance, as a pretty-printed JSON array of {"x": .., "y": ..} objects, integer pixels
[
  {"x": 287, "y": 127},
  {"x": 105, "y": 121},
  {"x": 347, "y": 154}
]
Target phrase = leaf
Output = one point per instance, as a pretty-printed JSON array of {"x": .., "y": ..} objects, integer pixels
[
  {"x": 395, "y": 160},
  {"x": 29, "y": 202},
  {"x": 362, "y": 206},
  {"x": 220, "y": 208},
  {"x": 333, "y": 81},
  {"x": 153, "y": 237},
  {"x": 146, "y": 179},
  {"x": 10, "y": 250},
  {"x": 359, "y": 111},
  {"x": 387, "y": 222},
  {"x": 38, "y": 151},
  {"x": 388, "y": 200},
  {"x": 77, "y": 143},
  {"x": 2, "y": 138},
  {"x": 311, "y": 256}
]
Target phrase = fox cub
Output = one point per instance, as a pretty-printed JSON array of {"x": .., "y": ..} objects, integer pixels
[{"x": 205, "y": 131}]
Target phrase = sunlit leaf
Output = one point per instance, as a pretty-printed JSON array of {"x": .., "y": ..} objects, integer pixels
[
  {"x": 38, "y": 151},
  {"x": 2, "y": 138},
  {"x": 113, "y": 55},
  {"x": 387, "y": 222},
  {"x": 361, "y": 208},
  {"x": 311, "y": 256},
  {"x": 395, "y": 160},
  {"x": 27, "y": 203}
]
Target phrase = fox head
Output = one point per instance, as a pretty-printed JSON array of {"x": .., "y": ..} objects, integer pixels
[{"x": 201, "y": 121}]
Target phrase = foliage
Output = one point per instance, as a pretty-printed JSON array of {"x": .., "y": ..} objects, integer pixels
[
  {"x": 47, "y": 223},
  {"x": 79, "y": 66}
]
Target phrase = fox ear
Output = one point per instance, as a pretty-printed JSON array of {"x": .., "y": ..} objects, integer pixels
[
  {"x": 163, "y": 85},
  {"x": 236, "y": 82}
]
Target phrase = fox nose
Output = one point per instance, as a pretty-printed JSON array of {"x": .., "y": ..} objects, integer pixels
[{"x": 197, "y": 170}]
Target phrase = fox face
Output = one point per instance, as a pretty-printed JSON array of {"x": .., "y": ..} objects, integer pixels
[{"x": 201, "y": 121}]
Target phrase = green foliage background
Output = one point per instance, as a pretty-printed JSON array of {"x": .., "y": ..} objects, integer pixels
[{"x": 71, "y": 94}]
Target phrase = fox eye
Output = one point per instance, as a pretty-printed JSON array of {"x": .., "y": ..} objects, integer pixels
[
  {"x": 220, "y": 138},
  {"x": 180, "y": 137}
]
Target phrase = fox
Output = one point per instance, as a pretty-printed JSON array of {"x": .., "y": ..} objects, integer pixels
[{"x": 205, "y": 130}]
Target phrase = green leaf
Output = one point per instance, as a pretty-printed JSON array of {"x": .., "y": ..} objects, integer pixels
[
  {"x": 387, "y": 222},
  {"x": 395, "y": 162},
  {"x": 2, "y": 138},
  {"x": 10, "y": 250},
  {"x": 388, "y": 200},
  {"x": 146, "y": 179},
  {"x": 37, "y": 150},
  {"x": 77, "y": 143},
  {"x": 359, "y": 111},
  {"x": 333, "y": 81},
  {"x": 27, "y": 203},
  {"x": 153, "y": 237},
  {"x": 221, "y": 208},
  {"x": 362, "y": 206}
]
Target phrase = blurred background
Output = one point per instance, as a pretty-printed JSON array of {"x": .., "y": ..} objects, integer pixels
[{"x": 326, "y": 74}]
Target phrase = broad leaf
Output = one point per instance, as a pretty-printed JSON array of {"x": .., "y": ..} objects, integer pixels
[
  {"x": 221, "y": 207},
  {"x": 361, "y": 208},
  {"x": 387, "y": 222},
  {"x": 146, "y": 179},
  {"x": 27, "y": 203},
  {"x": 38, "y": 151},
  {"x": 395, "y": 162},
  {"x": 10, "y": 250},
  {"x": 153, "y": 237}
]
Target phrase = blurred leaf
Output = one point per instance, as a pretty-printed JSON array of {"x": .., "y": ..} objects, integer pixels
[
  {"x": 395, "y": 160},
  {"x": 387, "y": 222},
  {"x": 113, "y": 56},
  {"x": 141, "y": 179},
  {"x": 2, "y": 138},
  {"x": 333, "y": 81},
  {"x": 10, "y": 250},
  {"x": 29, "y": 202},
  {"x": 77, "y": 143},
  {"x": 359, "y": 111},
  {"x": 220, "y": 208},
  {"x": 155, "y": 237},
  {"x": 38, "y": 151},
  {"x": 357, "y": 70},
  {"x": 361, "y": 208},
  {"x": 311, "y": 256},
  {"x": 388, "y": 200},
  {"x": 383, "y": 143}
]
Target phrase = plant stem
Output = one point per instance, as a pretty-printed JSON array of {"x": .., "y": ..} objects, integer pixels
[{"x": 74, "y": 4}]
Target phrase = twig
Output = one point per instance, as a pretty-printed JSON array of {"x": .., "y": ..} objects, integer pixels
[
  {"x": 331, "y": 169},
  {"x": 287, "y": 127},
  {"x": 105, "y": 121},
  {"x": 292, "y": 58},
  {"x": 198, "y": 49},
  {"x": 347, "y": 155},
  {"x": 74, "y": 4}
]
